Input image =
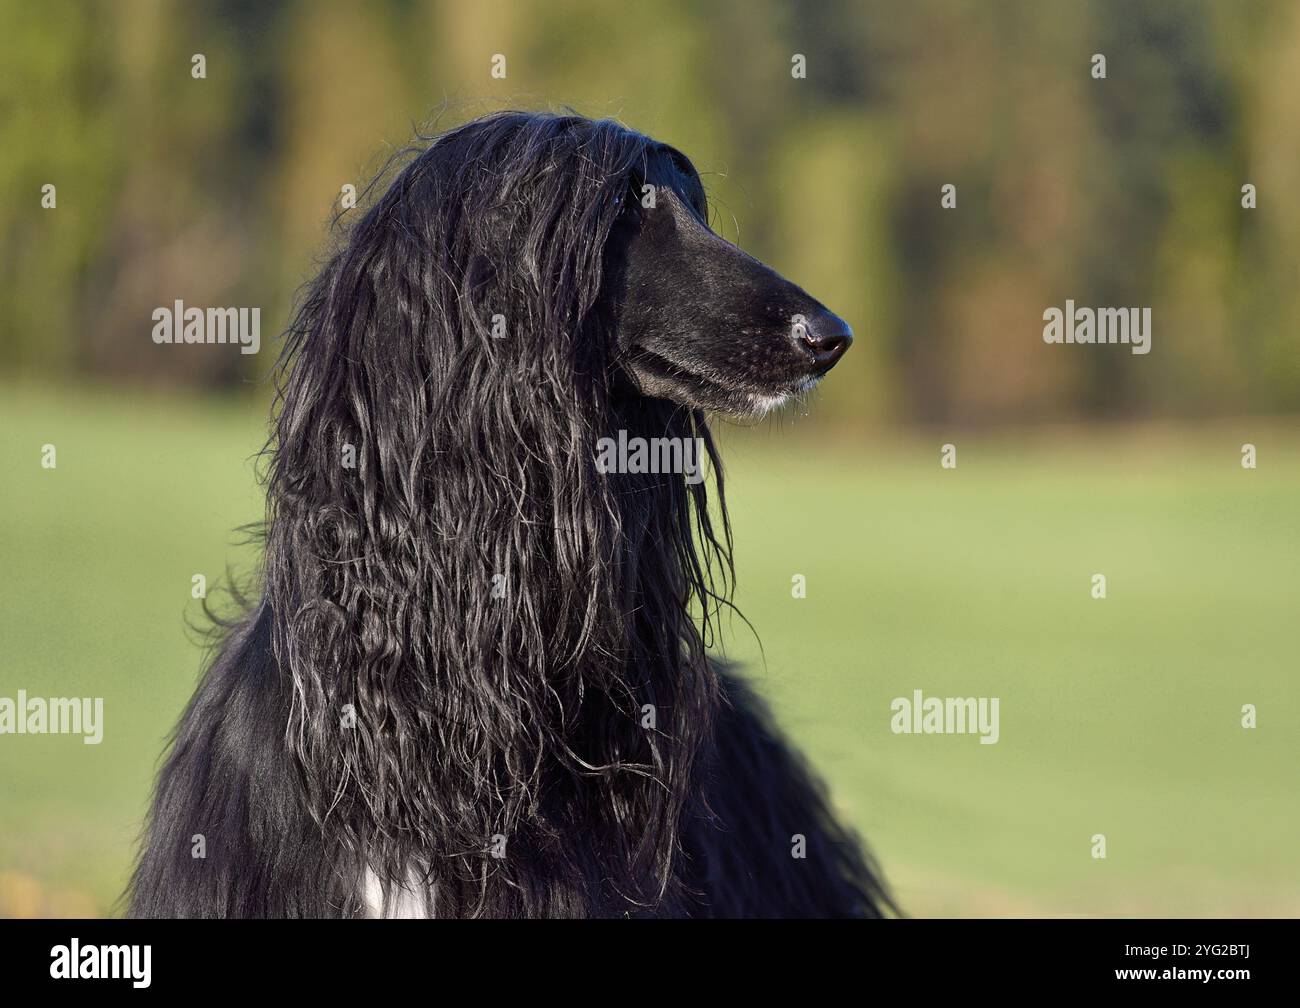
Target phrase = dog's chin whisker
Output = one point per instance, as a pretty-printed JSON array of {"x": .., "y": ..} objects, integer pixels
[
  {"x": 763, "y": 403},
  {"x": 760, "y": 404},
  {"x": 803, "y": 394}
]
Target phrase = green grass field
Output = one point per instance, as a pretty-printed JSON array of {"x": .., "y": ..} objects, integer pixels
[{"x": 1119, "y": 716}]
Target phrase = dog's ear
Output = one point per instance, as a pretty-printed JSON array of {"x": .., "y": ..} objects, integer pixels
[{"x": 670, "y": 169}]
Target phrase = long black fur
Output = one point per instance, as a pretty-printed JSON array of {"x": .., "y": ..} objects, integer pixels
[{"x": 461, "y": 642}]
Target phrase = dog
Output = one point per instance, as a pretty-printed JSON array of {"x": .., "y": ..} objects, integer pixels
[{"x": 475, "y": 680}]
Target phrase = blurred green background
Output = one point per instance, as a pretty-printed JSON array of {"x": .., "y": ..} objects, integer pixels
[{"x": 1119, "y": 716}]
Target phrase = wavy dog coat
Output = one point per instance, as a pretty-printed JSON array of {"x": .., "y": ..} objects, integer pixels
[{"x": 475, "y": 680}]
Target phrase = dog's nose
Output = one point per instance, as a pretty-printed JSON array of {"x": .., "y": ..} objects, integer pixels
[{"x": 827, "y": 336}]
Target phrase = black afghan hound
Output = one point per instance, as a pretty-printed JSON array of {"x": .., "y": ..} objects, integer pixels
[{"x": 476, "y": 681}]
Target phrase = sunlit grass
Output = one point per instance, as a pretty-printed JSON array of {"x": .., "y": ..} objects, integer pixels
[{"x": 1119, "y": 716}]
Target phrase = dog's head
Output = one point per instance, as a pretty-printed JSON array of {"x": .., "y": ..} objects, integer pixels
[
  {"x": 699, "y": 322},
  {"x": 536, "y": 250}
]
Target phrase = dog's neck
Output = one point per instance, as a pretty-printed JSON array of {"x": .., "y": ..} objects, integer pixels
[{"x": 526, "y": 639}]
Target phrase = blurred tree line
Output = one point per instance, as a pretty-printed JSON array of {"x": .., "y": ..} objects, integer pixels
[{"x": 1117, "y": 192}]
